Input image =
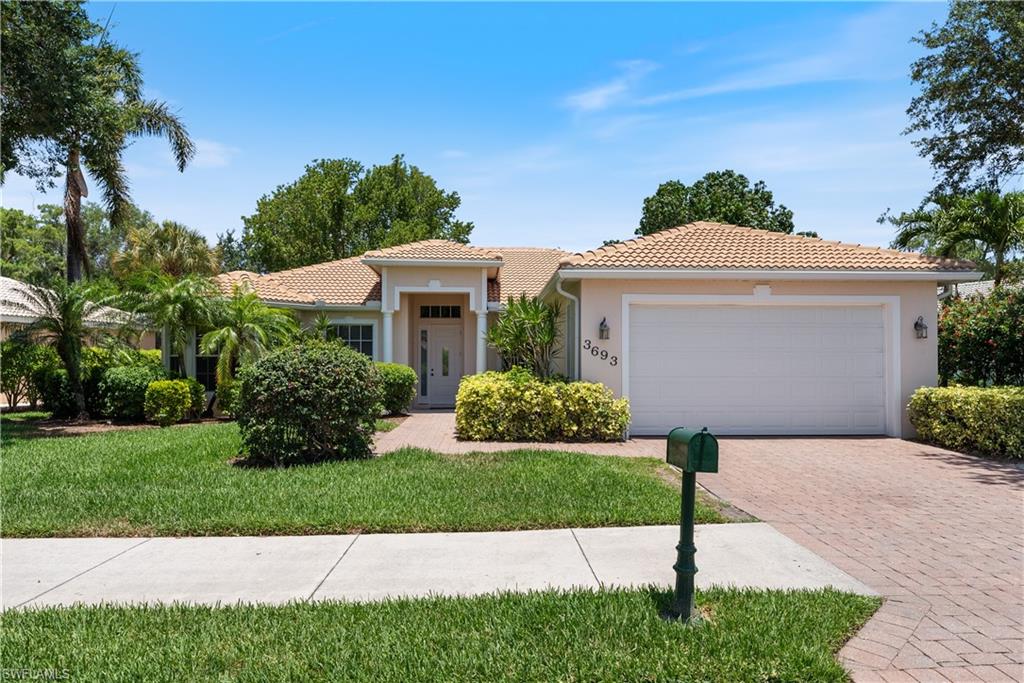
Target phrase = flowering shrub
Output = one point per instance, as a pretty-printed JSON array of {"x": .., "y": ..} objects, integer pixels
[
  {"x": 986, "y": 420},
  {"x": 981, "y": 338},
  {"x": 516, "y": 406}
]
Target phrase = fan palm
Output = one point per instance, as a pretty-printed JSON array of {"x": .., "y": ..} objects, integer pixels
[
  {"x": 169, "y": 248},
  {"x": 175, "y": 306},
  {"x": 984, "y": 222},
  {"x": 60, "y": 315},
  {"x": 244, "y": 329}
]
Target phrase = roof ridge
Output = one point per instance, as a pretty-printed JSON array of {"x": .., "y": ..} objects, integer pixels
[{"x": 384, "y": 252}]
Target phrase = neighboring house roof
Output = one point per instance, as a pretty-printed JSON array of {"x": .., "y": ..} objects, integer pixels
[
  {"x": 982, "y": 287},
  {"x": 716, "y": 246},
  {"x": 526, "y": 270},
  {"x": 431, "y": 250},
  {"x": 345, "y": 282},
  {"x": 15, "y": 307}
]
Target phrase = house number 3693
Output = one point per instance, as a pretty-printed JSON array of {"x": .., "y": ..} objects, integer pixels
[{"x": 598, "y": 352}]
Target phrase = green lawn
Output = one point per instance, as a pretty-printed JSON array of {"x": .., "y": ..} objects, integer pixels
[
  {"x": 178, "y": 481},
  {"x": 552, "y": 636}
]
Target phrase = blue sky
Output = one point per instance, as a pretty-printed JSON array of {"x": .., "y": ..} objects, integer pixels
[{"x": 553, "y": 122}]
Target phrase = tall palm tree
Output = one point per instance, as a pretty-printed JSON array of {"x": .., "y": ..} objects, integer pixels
[
  {"x": 175, "y": 306},
  {"x": 985, "y": 222},
  {"x": 244, "y": 329},
  {"x": 169, "y": 248},
  {"x": 60, "y": 320}
]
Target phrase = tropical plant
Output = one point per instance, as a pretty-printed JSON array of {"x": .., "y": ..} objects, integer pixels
[
  {"x": 169, "y": 248},
  {"x": 177, "y": 307},
  {"x": 59, "y": 318},
  {"x": 73, "y": 103},
  {"x": 984, "y": 221},
  {"x": 318, "y": 327},
  {"x": 527, "y": 334},
  {"x": 244, "y": 330},
  {"x": 981, "y": 338}
]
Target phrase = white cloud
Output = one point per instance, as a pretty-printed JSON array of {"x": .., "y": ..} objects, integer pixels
[
  {"x": 606, "y": 94},
  {"x": 212, "y": 154}
]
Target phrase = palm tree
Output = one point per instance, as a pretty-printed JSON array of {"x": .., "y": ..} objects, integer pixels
[
  {"x": 60, "y": 316},
  {"x": 984, "y": 223},
  {"x": 175, "y": 306},
  {"x": 169, "y": 248},
  {"x": 244, "y": 329}
]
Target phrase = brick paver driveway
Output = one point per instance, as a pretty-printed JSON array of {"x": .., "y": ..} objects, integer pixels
[{"x": 940, "y": 535}]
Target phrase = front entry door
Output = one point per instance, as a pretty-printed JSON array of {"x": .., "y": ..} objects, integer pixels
[{"x": 444, "y": 363}]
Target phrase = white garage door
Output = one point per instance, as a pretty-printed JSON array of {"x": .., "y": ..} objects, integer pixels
[{"x": 757, "y": 369}]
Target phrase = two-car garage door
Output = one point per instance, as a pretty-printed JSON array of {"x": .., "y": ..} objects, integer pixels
[{"x": 757, "y": 369}]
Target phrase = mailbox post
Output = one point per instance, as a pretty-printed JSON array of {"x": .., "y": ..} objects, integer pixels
[{"x": 693, "y": 452}]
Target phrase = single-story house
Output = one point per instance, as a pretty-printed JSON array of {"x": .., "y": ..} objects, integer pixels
[{"x": 742, "y": 330}]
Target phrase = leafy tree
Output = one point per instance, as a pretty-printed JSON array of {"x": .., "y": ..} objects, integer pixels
[
  {"x": 244, "y": 329},
  {"x": 175, "y": 306},
  {"x": 983, "y": 223},
  {"x": 19, "y": 358},
  {"x": 527, "y": 335},
  {"x": 720, "y": 196},
  {"x": 981, "y": 338},
  {"x": 339, "y": 209},
  {"x": 970, "y": 112},
  {"x": 96, "y": 111},
  {"x": 30, "y": 250},
  {"x": 232, "y": 252},
  {"x": 169, "y": 248},
  {"x": 59, "y": 317}
]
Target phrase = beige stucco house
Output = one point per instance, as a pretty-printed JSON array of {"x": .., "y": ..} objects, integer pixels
[{"x": 742, "y": 330}]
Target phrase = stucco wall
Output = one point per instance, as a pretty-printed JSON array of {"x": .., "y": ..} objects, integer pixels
[{"x": 918, "y": 358}]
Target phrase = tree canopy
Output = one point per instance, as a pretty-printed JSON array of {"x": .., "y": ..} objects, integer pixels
[
  {"x": 338, "y": 208},
  {"x": 970, "y": 112},
  {"x": 721, "y": 196}
]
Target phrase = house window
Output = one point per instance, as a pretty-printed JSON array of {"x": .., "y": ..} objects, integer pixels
[
  {"x": 206, "y": 367},
  {"x": 358, "y": 337},
  {"x": 440, "y": 312}
]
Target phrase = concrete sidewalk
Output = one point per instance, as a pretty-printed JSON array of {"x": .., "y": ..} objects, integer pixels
[{"x": 277, "y": 569}]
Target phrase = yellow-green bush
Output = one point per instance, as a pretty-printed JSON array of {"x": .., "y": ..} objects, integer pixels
[
  {"x": 985, "y": 420},
  {"x": 167, "y": 401},
  {"x": 516, "y": 406}
]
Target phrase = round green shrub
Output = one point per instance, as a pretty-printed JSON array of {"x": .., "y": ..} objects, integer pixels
[
  {"x": 308, "y": 402},
  {"x": 123, "y": 390},
  {"x": 397, "y": 386},
  {"x": 167, "y": 401},
  {"x": 54, "y": 388},
  {"x": 227, "y": 397}
]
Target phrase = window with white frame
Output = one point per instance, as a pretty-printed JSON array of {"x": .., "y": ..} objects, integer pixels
[{"x": 358, "y": 336}]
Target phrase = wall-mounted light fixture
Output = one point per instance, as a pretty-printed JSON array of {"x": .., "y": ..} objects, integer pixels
[
  {"x": 603, "y": 331},
  {"x": 921, "y": 328}
]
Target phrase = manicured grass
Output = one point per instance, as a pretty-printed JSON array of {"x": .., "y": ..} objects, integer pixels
[
  {"x": 178, "y": 481},
  {"x": 19, "y": 425},
  {"x": 577, "y": 636}
]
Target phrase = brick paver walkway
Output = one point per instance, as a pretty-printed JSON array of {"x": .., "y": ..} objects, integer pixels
[{"x": 940, "y": 535}]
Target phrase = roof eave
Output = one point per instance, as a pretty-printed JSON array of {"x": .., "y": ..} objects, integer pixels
[{"x": 584, "y": 273}]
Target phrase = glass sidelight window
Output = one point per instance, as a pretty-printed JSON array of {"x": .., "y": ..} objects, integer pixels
[{"x": 423, "y": 363}]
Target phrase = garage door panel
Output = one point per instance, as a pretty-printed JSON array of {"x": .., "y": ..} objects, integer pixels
[{"x": 757, "y": 369}]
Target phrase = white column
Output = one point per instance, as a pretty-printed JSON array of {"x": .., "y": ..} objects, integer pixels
[
  {"x": 387, "y": 338},
  {"x": 165, "y": 347},
  {"x": 481, "y": 341},
  {"x": 190, "y": 353}
]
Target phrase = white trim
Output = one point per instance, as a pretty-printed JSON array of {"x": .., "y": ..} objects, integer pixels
[
  {"x": 890, "y": 312},
  {"x": 399, "y": 289},
  {"x": 716, "y": 274},
  {"x": 574, "y": 303},
  {"x": 373, "y": 322},
  {"x": 448, "y": 263}
]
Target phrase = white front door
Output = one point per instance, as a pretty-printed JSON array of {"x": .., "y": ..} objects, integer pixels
[
  {"x": 442, "y": 344},
  {"x": 757, "y": 369}
]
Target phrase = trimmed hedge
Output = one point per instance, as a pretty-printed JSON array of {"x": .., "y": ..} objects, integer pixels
[
  {"x": 167, "y": 401},
  {"x": 123, "y": 390},
  {"x": 516, "y": 406},
  {"x": 397, "y": 386},
  {"x": 197, "y": 397},
  {"x": 309, "y": 402},
  {"x": 984, "y": 420}
]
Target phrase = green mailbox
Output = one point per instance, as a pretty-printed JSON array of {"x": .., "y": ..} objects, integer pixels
[{"x": 692, "y": 451}]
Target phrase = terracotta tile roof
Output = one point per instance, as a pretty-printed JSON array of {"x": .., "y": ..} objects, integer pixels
[
  {"x": 703, "y": 245},
  {"x": 525, "y": 270},
  {"x": 435, "y": 250},
  {"x": 346, "y": 282}
]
